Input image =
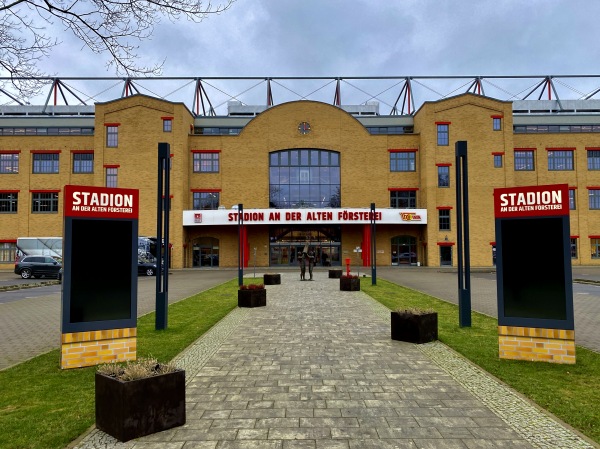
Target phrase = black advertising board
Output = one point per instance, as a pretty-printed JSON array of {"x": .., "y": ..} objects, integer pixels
[
  {"x": 533, "y": 266},
  {"x": 99, "y": 258}
]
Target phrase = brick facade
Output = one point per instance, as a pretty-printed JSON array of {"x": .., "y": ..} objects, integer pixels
[
  {"x": 243, "y": 175},
  {"x": 79, "y": 349},
  {"x": 536, "y": 344}
]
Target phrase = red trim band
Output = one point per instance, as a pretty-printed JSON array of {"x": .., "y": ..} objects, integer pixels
[
  {"x": 45, "y": 151},
  {"x": 112, "y": 124},
  {"x": 10, "y": 191},
  {"x": 443, "y": 165},
  {"x": 400, "y": 189},
  {"x": 402, "y": 150},
  {"x": 82, "y": 151},
  {"x": 444, "y": 208},
  {"x": 112, "y": 166},
  {"x": 10, "y": 151},
  {"x": 443, "y": 123},
  {"x": 498, "y": 153}
]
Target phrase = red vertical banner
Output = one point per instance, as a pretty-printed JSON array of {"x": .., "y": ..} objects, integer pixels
[{"x": 366, "y": 246}]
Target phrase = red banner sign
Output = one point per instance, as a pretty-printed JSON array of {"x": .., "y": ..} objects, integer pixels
[
  {"x": 101, "y": 202},
  {"x": 531, "y": 201}
]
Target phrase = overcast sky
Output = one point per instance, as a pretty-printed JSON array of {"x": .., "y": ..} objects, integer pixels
[{"x": 345, "y": 38}]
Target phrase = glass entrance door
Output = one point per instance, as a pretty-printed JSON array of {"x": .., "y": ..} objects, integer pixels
[{"x": 287, "y": 243}]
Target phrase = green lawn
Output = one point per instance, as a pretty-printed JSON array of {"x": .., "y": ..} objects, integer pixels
[
  {"x": 44, "y": 407},
  {"x": 568, "y": 391}
]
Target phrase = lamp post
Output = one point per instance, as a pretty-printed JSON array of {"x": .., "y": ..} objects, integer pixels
[
  {"x": 162, "y": 236},
  {"x": 240, "y": 249},
  {"x": 373, "y": 246}
]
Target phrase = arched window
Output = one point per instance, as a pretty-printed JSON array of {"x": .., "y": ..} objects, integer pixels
[{"x": 304, "y": 178}]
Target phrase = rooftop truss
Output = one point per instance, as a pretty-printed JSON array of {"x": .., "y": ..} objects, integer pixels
[{"x": 398, "y": 95}]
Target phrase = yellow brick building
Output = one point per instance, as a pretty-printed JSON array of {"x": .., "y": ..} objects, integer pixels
[{"x": 305, "y": 172}]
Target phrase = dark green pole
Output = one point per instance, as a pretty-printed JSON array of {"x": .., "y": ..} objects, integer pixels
[{"x": 462, "y": 235}]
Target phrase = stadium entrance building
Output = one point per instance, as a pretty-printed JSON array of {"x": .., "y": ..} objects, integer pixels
[{"x": 306, "y": 172}]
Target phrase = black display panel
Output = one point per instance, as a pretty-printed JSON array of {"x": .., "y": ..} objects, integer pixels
[
  {"x": 101, "y": 270},
  {"x": 533, "y": 278}
]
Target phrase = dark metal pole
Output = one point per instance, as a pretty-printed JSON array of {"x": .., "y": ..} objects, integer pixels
[
  {"x": 462, "y": 235},
  {"x": 240, "y": 251},
  {"x": 162, "y": 235},
  {"x": 373, "y": 246}
]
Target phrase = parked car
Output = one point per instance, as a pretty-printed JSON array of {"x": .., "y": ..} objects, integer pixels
[
  {"x": 38, "y": 266},
  {"x": 147, "y": 267}
]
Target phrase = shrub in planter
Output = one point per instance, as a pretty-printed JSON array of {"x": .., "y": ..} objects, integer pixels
[
  {"x": 252, "y": 295},
  {"x": 272, "y": 278},
  {"x": 349, "y": 283},
  {"x": 139, "y": 398},
  {"x": 414, "y": 325}
]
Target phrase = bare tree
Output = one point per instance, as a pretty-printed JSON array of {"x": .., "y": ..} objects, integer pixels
[{"x": 115, "y": 27}]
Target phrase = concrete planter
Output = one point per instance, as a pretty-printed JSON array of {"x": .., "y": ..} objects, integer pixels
[
  {"x": 131, "y": 409},
  {"x": 414, "y": 327},
  {"x": 349, "y": 284},
  {"x": 272, "y": 278},
  {"x": 252, "y": 298}
]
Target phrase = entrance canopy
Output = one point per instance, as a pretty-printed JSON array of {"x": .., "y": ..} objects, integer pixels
[{"x": 304, "y": 216}]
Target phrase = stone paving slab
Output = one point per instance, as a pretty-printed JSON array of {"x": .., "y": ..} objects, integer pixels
[{"x": 316, "y": 368}]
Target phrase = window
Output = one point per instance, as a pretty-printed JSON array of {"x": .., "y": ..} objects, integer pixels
[
  {"x": 560, "y": 160},
  {"x": 403, "y": 199},
  {"x": 524, "y": 160},
  {"x": 402, "y": 161},
  {"x": 594, "y": 199},
  {"x": 167, "y": 125},
  {"x": 44, "y": 202},
  {"x": 206, "y": 200},
  {"x": 443, "y": 134},
  {"x": 593, "y": 157},
  {"x": 206, "y": 162},
  {"x": 9, "y": 163},
  {"x": 111, "y": 176},
  {"x": 45, "y": 162},
  {"x": 595, "y": 243},
  {"x": 443, "y": 176},
  {"x": 304, "y": 177},
  {"x": 572, "y": 204},
  {"x": 444, "y": 219},
  {"x": 7, "y": 252},
  {"x": 9, "y": 202},
  {"x": 83, "y": 162},
  {"x": 497, "y": 123},
  {"x": 497, "y": 161},
  {"x": 574, "y": 248},
  {"x": 112, "y": 136}
]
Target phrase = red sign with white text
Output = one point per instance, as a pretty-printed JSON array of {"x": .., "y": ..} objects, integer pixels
[
  {"x": 101, "y": 202},
  {"x": 531, "y": 201}
]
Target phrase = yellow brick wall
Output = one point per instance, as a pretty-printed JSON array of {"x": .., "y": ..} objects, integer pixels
[
  {"x": 79, "y": 349},
  {"x": 365, "y": 175},
  {"x": 536, "y": 344}
]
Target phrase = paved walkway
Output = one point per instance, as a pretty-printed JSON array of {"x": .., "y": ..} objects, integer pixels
[{"x": 317, "y": 369}]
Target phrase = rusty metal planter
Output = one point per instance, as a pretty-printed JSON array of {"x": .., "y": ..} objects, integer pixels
[
  {"x": 414, "y": 327},
  {"x": 252, "y": 298},
  {"x": 134, "y": 408}
]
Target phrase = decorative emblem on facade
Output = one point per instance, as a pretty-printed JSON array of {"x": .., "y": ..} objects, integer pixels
[{"x": 409, "y": 216}]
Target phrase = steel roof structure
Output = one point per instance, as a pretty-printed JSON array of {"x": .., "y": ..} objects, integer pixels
[{"x": 403, "y": 95}]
